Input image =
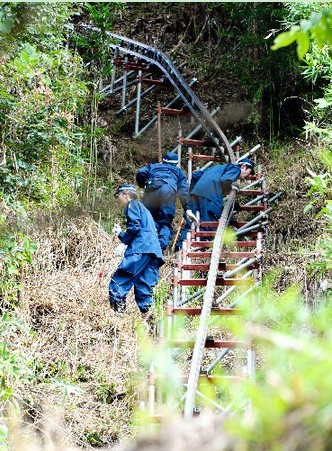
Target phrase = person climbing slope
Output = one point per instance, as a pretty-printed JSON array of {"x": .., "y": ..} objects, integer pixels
[
  {"x": 163, "y": 182},
  {"x": 208, "y": 187},
  {"x": 142, "y": 257}
]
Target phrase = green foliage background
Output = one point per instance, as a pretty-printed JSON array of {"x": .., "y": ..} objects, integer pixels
[{"x": 48, "y": 160}]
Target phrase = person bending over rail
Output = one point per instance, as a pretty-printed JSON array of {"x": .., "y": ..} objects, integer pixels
[
  {"x": 142, "y": 257},
  {"x": 208, "y": 187},
  {"x": 162, "y": 183}
]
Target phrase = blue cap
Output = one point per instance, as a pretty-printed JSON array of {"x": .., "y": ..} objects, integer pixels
[
  {"x": 125, "y": 188},
  {"x": 248, "y": 163},
  {"x": 170, "y": 157}
]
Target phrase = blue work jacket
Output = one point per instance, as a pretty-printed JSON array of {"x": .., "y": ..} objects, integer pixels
[
  {"x": 141, "y": 235},
  {"x": 209, "y": 184},
  {"x": 154, "y": 175}
]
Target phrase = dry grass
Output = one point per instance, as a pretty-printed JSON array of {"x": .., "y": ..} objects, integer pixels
[{"x": 85, "y": 357}]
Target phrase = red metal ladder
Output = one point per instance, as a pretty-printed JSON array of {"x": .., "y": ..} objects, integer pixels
[{"x": 239, "y": 270}]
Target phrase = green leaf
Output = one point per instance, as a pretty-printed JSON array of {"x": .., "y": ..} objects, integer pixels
[
  {"x": 322, "y": 103},
  {"x": 303, "y": 44},
  {"x": 286, "y": 38},
  {"x": 6, "y": 26}
]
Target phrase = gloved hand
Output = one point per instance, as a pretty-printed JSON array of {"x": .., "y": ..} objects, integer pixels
[
  {"x": 116, "y": 229},
  {"x": 191, "y": 216},
  {"x": 120, "y": 250}
]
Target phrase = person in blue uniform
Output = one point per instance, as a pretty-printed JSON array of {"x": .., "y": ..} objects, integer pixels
[
  {"x": 163, "y": 182},
  {"x": 142, "y": 257},
  {"x": 208, "y": 187}
]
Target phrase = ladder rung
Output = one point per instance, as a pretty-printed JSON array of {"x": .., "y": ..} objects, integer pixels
[
  {"x": 205, "y": 378},
  {"x": 198, "y": 311},
  {"x": 151, "y": 81},
  {"x": 210, "y": 343},
  {"x": 136, "y": 67},
  {"x": 250, "y": 192},
  {"x": 211, "y": 233},
  {"x": 175, "y": 112},
  {"x": 235, "y": 244},
  {"x": 219, "y": 282},
  {"x": 196, "y": 142},
  {"x": 252, "y": 207},
  {"x": 236, "y": 224},
  {"x": 205, "y": 158},
  {"x": 208, "y": 233},
  {"x": 206, "y": 266},
  {"x": 209, "y": 224},
  {"x": 222, "y": 254}
]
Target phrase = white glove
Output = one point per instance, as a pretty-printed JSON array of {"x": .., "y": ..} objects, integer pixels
[
  {"x": 116, "y": 229},
  {"x": 235, "y": 187},
  {"x": 120, "y": 250},
  {"x": 191, "y": 216}
]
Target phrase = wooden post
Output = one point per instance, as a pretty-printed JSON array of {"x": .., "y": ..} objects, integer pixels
[{"x": 160, "y": 158}]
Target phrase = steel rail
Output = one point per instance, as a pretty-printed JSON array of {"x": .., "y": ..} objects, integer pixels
[
  {"x": 160, "y": 60},
  {"x": 206, "y": 308}
]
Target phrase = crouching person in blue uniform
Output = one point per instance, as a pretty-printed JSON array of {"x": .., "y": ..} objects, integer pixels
[
  {"x": 208, "y": 188},
  {"x": 142, "y": 257},
  {"x": 162, "y": 183}
]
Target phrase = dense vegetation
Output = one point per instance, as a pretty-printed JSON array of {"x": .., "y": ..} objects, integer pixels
[{"x": 52, "y": 129}]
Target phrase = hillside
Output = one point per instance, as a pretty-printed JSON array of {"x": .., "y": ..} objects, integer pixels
[{"x": 82, "y": 362}]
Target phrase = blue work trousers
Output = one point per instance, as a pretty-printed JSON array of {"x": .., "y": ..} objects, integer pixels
[
  {"x": 161, "y": 204},
  {"x": 140, "y": 271}
]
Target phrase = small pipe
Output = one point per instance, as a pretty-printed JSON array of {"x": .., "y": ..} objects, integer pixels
[
  {"x": 253, "y": 221},
  {"x": 124, "y": 86},
  {"x": 228, "y": 274},
  {"x": 249, "y": 229},
  {"x": 254, "y": 201},
  {"x": 231, "y": 289},
  {"x": 138, "y": 100},
  {"x": 144, "y": 93},
  {"x": 217, "y": 360},
  {"x": 256, "y": 182},
  {"x": 274, "y": 198},
  {"x": 250, "y": 152}
]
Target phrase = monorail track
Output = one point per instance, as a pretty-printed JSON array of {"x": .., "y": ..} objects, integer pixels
[{"x": 212, "y": 275}]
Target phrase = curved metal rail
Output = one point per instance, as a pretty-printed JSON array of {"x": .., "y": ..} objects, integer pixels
[{"x": 160, "y": 60}]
